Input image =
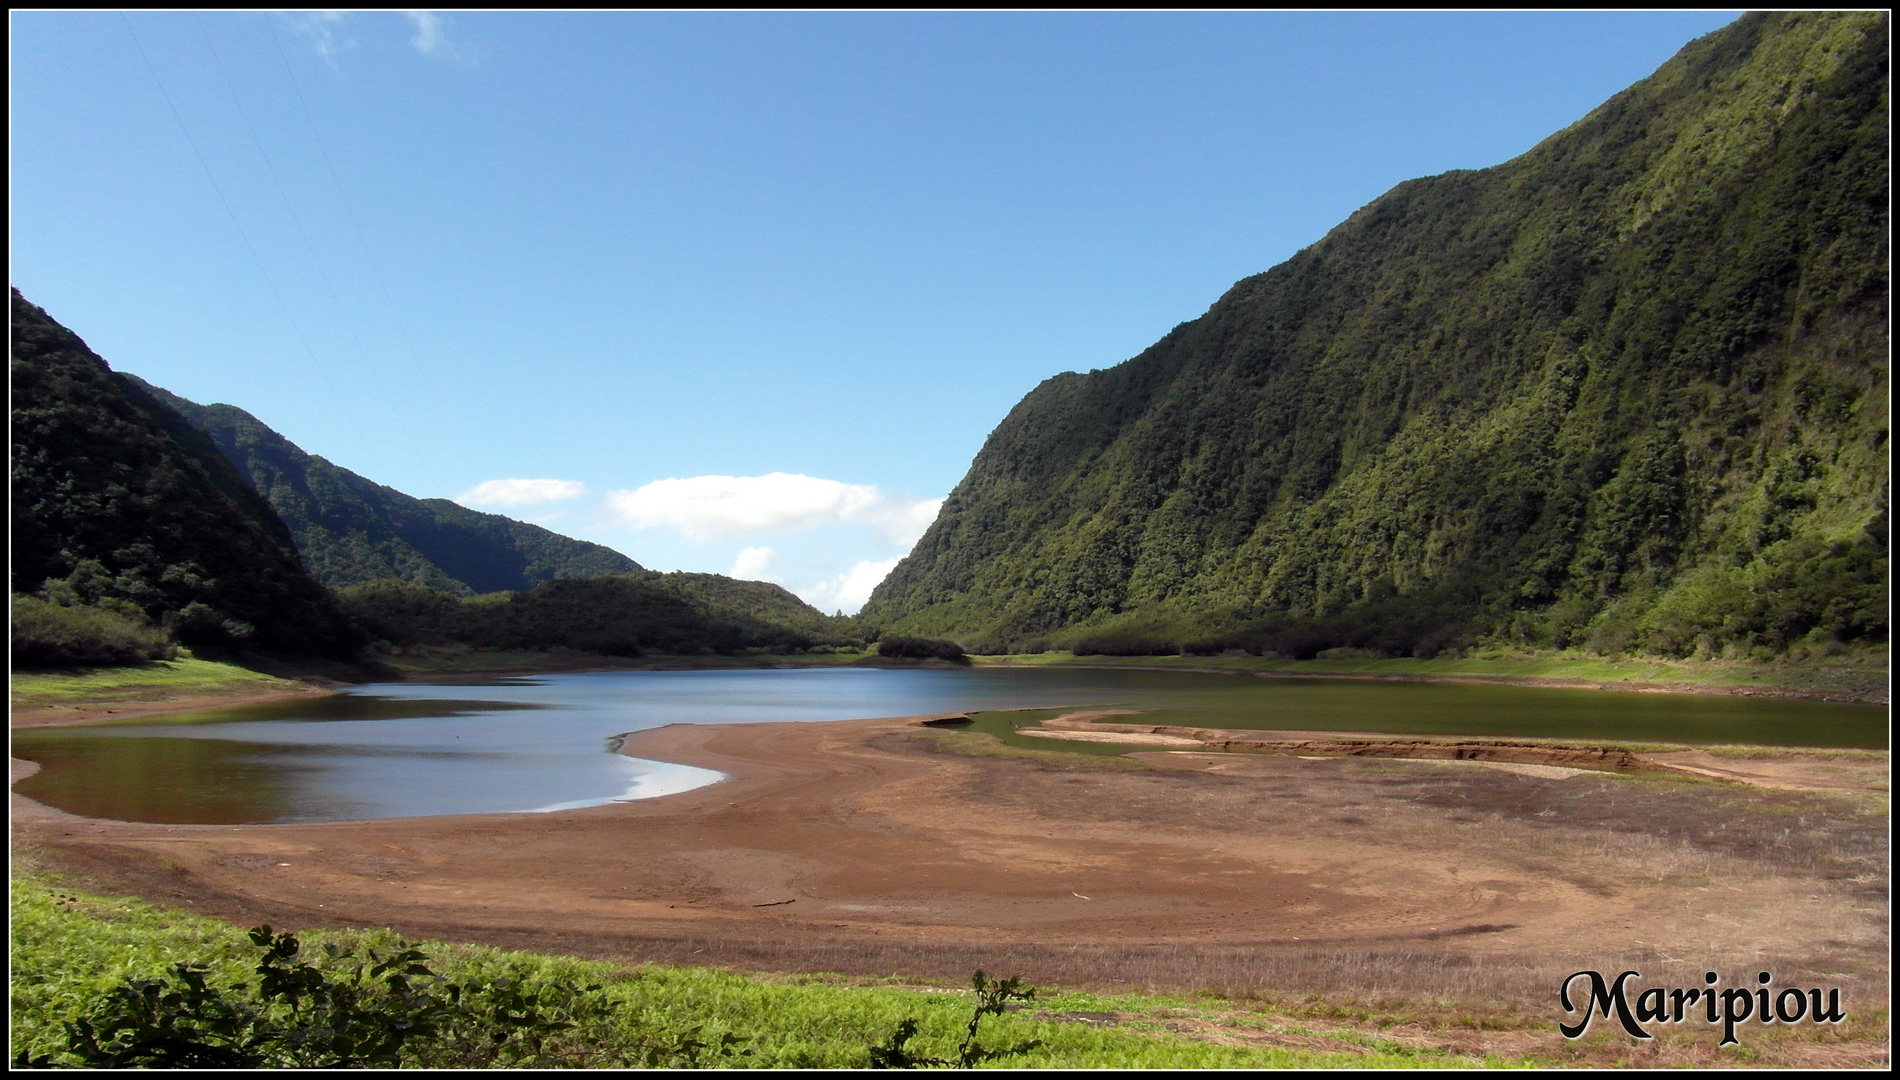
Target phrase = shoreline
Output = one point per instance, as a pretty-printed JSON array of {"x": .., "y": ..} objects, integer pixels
[
  {"x": 26, "y": 717},
  {"x": 112, "y": 704},
  {"x": 1792, "y": 693},
  {"x": 777, "y": 662}
]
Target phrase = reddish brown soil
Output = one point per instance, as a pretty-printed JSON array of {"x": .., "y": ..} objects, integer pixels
[{"x": 882, "y": 847}]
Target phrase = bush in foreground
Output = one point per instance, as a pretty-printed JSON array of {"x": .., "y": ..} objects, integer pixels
[
  {"x": 385, "y": 1010},
  {"x": 47, "y": 635},
  {"x": 69, "y": 950},
  {"x": 377, "y": 1010}
]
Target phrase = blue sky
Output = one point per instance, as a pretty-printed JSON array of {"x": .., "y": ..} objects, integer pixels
[{"x": 724, "y": 291}]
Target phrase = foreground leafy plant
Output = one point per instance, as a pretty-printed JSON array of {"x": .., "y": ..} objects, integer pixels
[
  {"x": 69, "y": 949},
  {"x": 375, "y": 1011},
  {"x": 992, "y": 999},
  {"x": 145, "y": 1023}
]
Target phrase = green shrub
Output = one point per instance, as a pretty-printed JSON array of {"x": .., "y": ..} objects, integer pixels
[
  {"x": 388, "y": 1009},
  {"x": 198, "y": 623},
  {"x": 992, "y": 999},
  {"x": 374, "y": 1010},
  {"x": 403, "y": 613},
  {"x": 916, "y": 648},
  {"x": 107, "y": 635},
  {"x": 70, "y": 952},
  {"x": 1117, "y": 645}
]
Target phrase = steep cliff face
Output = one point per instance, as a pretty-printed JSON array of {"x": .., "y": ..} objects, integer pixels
[
  {"x": 350, "y": 529},
  {"x": 116, "y": 497},
  {"x": 1627, "y": 390}
]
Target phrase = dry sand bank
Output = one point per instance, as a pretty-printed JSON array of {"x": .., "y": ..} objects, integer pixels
[{"x": 862, "y": 838}]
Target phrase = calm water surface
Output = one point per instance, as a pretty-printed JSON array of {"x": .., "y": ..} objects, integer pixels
[{"x": 547, "y": 742}]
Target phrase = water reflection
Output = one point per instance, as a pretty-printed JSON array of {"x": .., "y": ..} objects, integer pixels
[
  {"x": 546, "y": 743},
  {"x": 177, "y": 781}
]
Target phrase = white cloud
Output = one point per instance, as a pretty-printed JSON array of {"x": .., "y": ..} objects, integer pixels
[
  {"x": 907, "y": 523},
  {"x": 848, "y": 591},
  {"x": 320, "y": 27},
  {"x": 752, "y": 564},
  {"x": 510, "y": 493},
  {"x": 432, "y": 37},
  {"x": 430, "y": 30},
  {"x": 707, "y": 508}
]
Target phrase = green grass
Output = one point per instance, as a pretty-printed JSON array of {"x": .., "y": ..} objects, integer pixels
[
  {"x": 68, "y": 946},
  {"x": 183, "y": 675},
  {"x": 1859, "y": 673}
]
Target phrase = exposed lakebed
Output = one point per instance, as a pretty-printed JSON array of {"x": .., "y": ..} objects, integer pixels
[{"x": 550, "y": 742}]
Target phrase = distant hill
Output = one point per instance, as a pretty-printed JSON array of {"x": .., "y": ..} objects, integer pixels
[
  {"x": 763, "y": 610},
  {"x": 350, "y": 529},
  {"x": 124, "y": 492},
  {"x": 618, "y": 614},
  {"x": 116, "y": 497},
  {"x": 1627, "y": 391}
]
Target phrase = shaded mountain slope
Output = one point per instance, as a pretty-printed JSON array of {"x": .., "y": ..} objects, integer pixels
[
  {"x": 116, "y": 497},
  {"x": 351, "y": 529},
  {"x": 1626, "y": 391},
  {"x": 616, "y": 614}
]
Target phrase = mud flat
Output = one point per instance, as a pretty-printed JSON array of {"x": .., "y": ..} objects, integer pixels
[
  {"x": 883, "y": 846},
  {"x": 1563, "y": 756}
]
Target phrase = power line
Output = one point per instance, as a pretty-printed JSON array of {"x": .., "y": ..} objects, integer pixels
[
  {"x": 302, "y": 234},
  {"x": 389, "y": 301},
  {"x": 262, "y": 270}
]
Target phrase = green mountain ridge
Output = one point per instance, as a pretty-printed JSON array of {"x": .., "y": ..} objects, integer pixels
[
  {"x": 1626, "y": 391},
  {"x": 350, "y": 529},
  {"x": 117, "y": 500},
  {"x": 423, "y": 571},
  {"x": 430, "y": 572},
  {"x": 616, "y": 614},
  {"x": 760, "y": 606},
  {"x": 128, "y": 500}
]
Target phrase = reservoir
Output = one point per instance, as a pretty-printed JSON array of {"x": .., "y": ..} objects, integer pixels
[{"x": 550, "y": 742}]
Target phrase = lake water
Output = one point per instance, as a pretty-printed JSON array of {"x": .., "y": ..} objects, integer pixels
[{"x": 547, "y": 742}]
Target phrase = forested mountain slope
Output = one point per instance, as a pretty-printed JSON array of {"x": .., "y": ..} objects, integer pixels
[
  {"x": 760, "y": 607},
  {"x": 351, "y": 529},
  {"x": 1626, "y": 391},
  {"x": 117, "y": 499},
  {"x": 616, "y": 614}
]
